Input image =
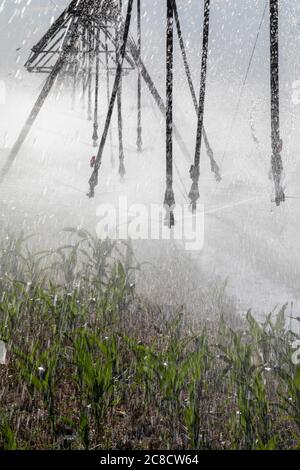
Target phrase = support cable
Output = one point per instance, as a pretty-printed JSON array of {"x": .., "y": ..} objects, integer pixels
[
  {"x": 96, "y": 125},
  {"x": 112, "y": 159},
  {"x": 90, "y": 65},
  {"x": 237, "y": 108},
  {"x": 83, "y": 67},
  {"x": 122, "y": 170},
  {"x": 139, "y": 141}
]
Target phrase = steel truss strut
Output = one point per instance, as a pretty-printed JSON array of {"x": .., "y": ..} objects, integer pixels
[
  {"x": 214, "y": 166},
  {"x": 69, "y": 42},
  {"x": 169, "y": 201},
  {"x": 77, "y": 33},
  {"x": 93, "y": 182},
  {"x": 195, "y": 169},
  {"x": 276, "y": 160}
]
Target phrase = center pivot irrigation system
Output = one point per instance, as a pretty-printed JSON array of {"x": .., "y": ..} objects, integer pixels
[{"x": 93, "y": 34}]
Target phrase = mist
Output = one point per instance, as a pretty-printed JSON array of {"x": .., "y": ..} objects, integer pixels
[{"x": 248, "y": 241}]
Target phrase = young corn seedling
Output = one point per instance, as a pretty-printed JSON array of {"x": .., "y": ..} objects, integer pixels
[
  {"x": 7, "y": 436},
  {"x": 250, "y": 423},
  {"x": 198, "y": 364},
  {"x": 39, "y": 370},
  {"x": 97, "y": 365}
]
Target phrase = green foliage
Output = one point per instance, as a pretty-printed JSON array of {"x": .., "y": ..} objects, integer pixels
[
  {"x": 7, "y": 435},
  {"x": 97, "y": 367},
  {"x": 89, "y": 362}
]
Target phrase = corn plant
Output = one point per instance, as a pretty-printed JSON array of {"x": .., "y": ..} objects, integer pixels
[
  {"x": 198, "y": 365},
  {"x": 39, "y": 369},
  {"x": 7, "y": 435},
  {"x": 250, "y": 421},
  {"x": 97, "y": 366}
]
